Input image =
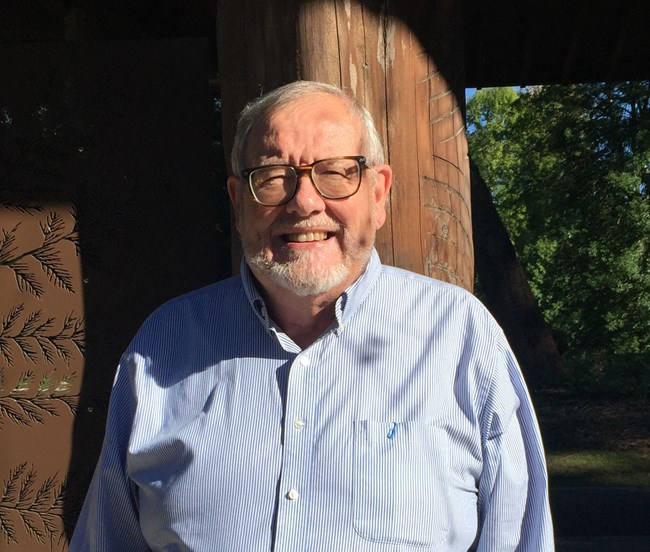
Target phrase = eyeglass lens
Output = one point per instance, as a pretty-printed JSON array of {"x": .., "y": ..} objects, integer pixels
[{"x": 333, "y": 178}]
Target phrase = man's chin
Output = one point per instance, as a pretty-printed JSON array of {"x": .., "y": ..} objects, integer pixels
[
  {"x": 302, "y": 277},
  {"x": 309, "y": 288}
]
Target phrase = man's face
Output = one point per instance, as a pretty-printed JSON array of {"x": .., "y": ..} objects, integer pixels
[{"x": 311, "y": 246}]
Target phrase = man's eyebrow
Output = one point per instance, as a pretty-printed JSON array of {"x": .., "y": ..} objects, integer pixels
[{"x": 270, "y": 161}]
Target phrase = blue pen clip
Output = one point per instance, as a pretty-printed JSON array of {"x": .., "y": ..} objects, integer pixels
[{"x": 393, "y": 431}]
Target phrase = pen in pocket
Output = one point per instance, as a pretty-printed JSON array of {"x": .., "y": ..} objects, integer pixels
[{"x": 392, "y": 431}]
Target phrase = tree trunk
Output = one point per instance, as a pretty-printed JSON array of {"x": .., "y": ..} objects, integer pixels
[
  {"x": 405, "y": 63},
  {"x": 507, "y": 293}
]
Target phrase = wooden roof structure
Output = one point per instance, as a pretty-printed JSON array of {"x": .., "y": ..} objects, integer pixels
[
  {"x": 556, "y": 42},
  {"x": 506, "y": 43}
]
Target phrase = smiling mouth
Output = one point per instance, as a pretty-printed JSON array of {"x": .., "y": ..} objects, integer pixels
[{"x": 304, "y": 237}]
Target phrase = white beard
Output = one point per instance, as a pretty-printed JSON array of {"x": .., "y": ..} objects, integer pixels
[{"x": 301, "y": 275}]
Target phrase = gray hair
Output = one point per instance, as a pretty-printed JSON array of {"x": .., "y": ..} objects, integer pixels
[{"x": 263, "y": 108}]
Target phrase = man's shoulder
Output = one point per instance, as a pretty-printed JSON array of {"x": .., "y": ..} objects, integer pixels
[
  {"x": 430, "y": 303},
  {"x": 210, "y": 300},
  {"x": 416, "y": 293},
  {"x": 394, "y": 277}
]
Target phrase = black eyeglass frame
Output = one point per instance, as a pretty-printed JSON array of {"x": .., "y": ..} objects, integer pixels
[{"x": 300, "y": 169}]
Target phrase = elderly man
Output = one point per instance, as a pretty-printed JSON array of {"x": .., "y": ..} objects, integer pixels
[{"x": 319, "y": 401}]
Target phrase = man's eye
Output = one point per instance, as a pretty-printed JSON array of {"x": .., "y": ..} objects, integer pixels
[
  {"x": 336, "y": 175},
  {"x": 273, "y": 181},
  {"x": 334, "y": 172}
]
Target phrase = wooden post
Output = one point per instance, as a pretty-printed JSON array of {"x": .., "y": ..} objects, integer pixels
[{"x": 405, "y": 63}]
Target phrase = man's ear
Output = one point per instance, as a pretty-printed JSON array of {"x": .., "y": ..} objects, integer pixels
[
  {"x": 234, "y": 192},
  {"x": 384, "y": 179}
]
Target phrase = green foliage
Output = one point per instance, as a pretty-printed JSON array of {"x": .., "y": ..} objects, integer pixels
[{"x": 569, "y": 170}]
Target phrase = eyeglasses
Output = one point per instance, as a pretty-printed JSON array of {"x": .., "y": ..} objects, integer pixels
[{"x": 333, "y": 178}]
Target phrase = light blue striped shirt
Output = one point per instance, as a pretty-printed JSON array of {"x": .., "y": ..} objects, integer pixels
[{"x": 407, "y": 426}]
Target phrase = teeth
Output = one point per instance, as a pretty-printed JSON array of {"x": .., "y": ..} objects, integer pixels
[{"x": 307, "y": 236}]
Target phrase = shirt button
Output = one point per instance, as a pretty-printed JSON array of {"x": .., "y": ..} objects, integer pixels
[
  {"x": 304, "y": 360},
  {"x": 299, "y": 423},
  {"x": 293, "y": 494}
]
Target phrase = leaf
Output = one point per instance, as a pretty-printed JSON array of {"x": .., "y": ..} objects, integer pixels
[
  {"x": 26, "y": 280},
  {"x": 53, "y": 267},
  {"x": 71, "y": 401},
  {"x": 59, "y": 501},
  {"x": 46, "y": 382},
  {"x": 5, "y": 351},
  {"x": 6, "y": 244},
  {"x": 10, "y": 485},
  {"x": 26, "y": 489},
  {"x": 24, "y": 382},
  {"x": 7, "y": 410},
  {"x": 53, "y": 524},
  {"x": 46, "y": 404},
  {"x": 33, "y": 524},
  {"x": 42, "y": 517},
  {"x": 44, "y": 494},
  {"x": 31, "y": 323},
  {"x": 13, "y": 315},
  {"x": 7, "y": 528},
  {"x": 64, "y": 385},
  {"x": 26, "y": 348},
  {"x": 31, "y": 412}
]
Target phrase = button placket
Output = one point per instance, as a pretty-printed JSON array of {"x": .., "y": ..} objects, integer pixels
[{"x": 296, "y": 462}]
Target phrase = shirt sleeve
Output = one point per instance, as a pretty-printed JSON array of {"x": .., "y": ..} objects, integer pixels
[
  {"x": 514, "y": 512},
  {"x": 109, "y": 518}
]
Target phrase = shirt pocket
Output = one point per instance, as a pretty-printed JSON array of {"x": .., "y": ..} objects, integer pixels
[{"x": 400, "y": 483}]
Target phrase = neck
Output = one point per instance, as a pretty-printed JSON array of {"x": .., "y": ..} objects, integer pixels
[
  {"x": 304, "y": 326},
  {"x": 303, "y": 319}
]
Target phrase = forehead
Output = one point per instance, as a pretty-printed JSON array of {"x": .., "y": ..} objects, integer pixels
[{"x": 310, "y": 128}]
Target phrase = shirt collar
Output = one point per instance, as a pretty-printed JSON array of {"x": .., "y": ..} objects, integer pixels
[
  {"x": 350, "y": 300},
  {"x": 345, "y": 307},
  {"x": 254, "y": 298}
]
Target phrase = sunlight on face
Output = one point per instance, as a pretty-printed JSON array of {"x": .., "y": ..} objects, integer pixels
[
  {"x": 303, "y": 273},
  {"x": 311, "y": 245}
]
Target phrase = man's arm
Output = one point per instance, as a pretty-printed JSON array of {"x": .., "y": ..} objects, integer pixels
[
  {"x": 513, "y": 491},
  {"x": 109, "y": 518}
]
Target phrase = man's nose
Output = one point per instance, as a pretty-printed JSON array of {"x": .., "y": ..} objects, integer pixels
[{"x": 306, "y": 200}]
